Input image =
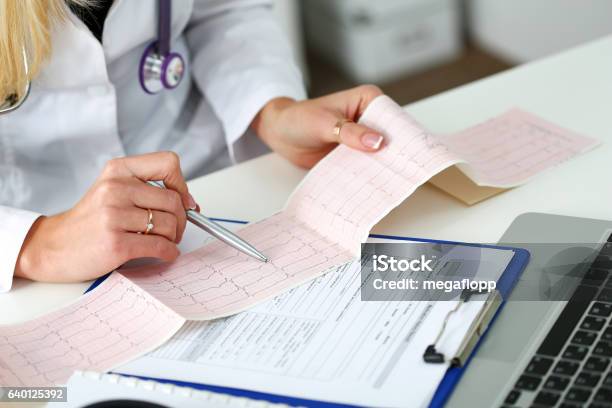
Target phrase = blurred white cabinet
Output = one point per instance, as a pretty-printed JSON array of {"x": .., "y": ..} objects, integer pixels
[
  {"x": 376, "y": 41},
  {"x": 523, "y": 30}
]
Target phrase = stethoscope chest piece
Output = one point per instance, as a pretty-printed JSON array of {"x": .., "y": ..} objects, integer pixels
[
  {"x": 160, "y": 68},
  {"x": 158, "y": 72}
]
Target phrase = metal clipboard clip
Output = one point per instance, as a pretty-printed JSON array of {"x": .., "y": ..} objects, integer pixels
[{"x": 477, "y": 329}]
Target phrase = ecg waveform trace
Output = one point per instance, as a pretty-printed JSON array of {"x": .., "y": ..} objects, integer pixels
[
  {"x": 512, "y": 148},
  {"x": 99, "y": 331},
  {"x": 217, "y": 280}
]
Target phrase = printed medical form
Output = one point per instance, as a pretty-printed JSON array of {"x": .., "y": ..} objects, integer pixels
[{"x": 320, "y": 341}]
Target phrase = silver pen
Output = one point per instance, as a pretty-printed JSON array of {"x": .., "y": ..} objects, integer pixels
[{"x": 219, "y": 232}]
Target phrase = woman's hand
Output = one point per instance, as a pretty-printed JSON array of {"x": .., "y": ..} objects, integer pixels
[
  {"x": 101, "y": 232},
  {"x": 303, "y": 132}
]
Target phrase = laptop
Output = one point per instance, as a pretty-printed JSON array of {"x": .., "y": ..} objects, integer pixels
[{"x": 551, "y": 345}]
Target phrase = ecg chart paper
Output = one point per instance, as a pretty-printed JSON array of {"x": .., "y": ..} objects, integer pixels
[
  {"x": 512, "y": 148},
  {"x": 343, "y": 197},
  {"x": 104, "y": 328}
]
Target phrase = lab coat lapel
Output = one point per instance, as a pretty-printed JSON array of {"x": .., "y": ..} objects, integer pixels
[
  {"x": 70, "y": 119},
  {"x": 68, "y": 40}
]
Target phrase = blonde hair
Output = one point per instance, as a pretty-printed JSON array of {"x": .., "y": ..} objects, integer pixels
[{"x": 25, "y": 32}]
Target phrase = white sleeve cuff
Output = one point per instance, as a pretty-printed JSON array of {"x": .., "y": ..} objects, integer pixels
[
  {"x": 236, "y": 119},
  {"x": 236, "y": 128},
  {"x": 15, "y": 226}
]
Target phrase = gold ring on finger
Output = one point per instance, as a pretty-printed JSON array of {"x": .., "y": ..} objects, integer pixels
[
  {"x": 150, "y": 224},
  {"x": 338, "y": 127}
]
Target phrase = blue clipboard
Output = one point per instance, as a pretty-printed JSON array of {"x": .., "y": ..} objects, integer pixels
[{"x": 506, "y": 283}]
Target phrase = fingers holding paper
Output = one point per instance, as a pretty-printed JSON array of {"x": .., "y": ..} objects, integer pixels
[
  {"x": 119, "y": 219},
  {"x": 304, "y": 132},
  {"x": 357, "y": 136},
  {"x": 351, "y": 104}
]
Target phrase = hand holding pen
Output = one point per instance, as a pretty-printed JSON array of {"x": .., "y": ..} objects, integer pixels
[{"x": 120, "y": 218}]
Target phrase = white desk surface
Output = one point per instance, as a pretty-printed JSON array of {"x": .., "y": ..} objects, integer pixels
[{"x": 573, "y": 89}]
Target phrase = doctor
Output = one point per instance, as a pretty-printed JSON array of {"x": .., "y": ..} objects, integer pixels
[{"x": 98, "y": 97}]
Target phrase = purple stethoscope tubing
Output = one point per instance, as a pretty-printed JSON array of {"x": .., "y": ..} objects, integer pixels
[{"x": 163, "y": 27}]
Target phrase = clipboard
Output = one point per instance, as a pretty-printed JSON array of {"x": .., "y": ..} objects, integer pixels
[{"x": 505, "y": 284}]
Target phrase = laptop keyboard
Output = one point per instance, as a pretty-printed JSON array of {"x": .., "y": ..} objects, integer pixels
[{"x": 572, "y": 367}]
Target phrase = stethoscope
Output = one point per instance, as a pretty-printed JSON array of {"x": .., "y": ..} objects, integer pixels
[
  {"x": 159, "y": 67},
  {"x": 13, "y": 101}
]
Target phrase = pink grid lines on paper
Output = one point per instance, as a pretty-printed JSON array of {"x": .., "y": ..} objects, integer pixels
[{"x": 101, "y": 330}]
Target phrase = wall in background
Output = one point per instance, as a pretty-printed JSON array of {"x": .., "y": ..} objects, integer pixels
[
  {"x": 524, "y": 30},
  {"x": 289, "y": 15},
  {"x": 417, "y": 48}
]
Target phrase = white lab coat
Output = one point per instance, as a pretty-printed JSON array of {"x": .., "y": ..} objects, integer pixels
[{"x": 87, "y": 106}]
